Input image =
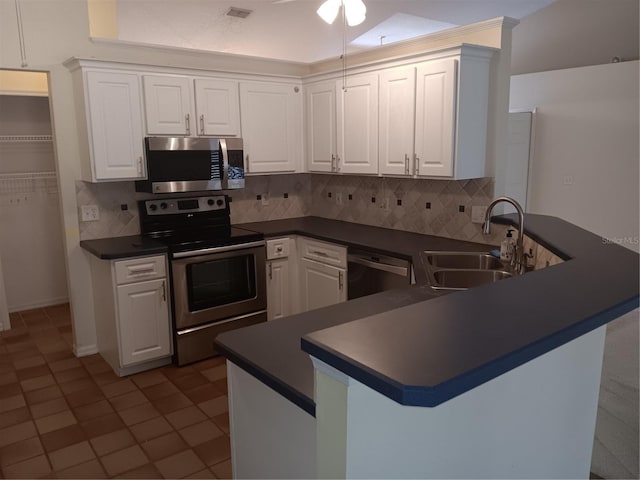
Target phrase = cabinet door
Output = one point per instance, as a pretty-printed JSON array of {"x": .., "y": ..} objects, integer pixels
[
  {"x": 167, "y": 103},
  {"x": 321, "y": 127},
  {"x": 358, "y": 124},
  {"x": 435, "y": 117},
  {"x": 271, "y": 117},
  {"x": 115, "y": 126},
  {"x": 278, "y": 291},
  {"x": 217, "y": 107},
  {"x": 321, "y": 284},
  {"x": 397, "y": 114},
  {"x": 143, "y": 321}
]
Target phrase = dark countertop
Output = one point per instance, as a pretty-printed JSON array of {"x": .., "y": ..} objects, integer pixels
[
  {"x": 123, "y": 247},
  {"x": 422, "y": 349}
]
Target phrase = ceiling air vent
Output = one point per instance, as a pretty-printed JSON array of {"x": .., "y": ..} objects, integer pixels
[{"x": 239, "y": 12}]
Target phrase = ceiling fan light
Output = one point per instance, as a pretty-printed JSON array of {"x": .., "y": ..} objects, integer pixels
[
  {"x": 355, "y": 11},
  {"x": 328, "y": 11}
]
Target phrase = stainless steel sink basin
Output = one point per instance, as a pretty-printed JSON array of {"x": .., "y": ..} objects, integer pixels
[
  {"x": 466, "y": 260},
  {"x": 463, "y": 279},
  {"x": 462, "y": 270}
]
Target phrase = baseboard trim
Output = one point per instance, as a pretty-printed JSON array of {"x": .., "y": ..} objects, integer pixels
[
  {"x": 41, "y": 304},
  {"x": 84, "y": 350}
]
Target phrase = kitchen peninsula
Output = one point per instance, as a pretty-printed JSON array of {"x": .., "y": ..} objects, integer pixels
[{"x": 496, "y": 381}]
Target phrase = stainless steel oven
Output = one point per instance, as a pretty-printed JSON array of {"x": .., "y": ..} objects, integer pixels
[
  {"x": 216, "y": 289},
  {"x": 218, "y": 279}
]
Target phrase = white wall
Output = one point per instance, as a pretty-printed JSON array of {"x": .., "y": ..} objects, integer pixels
[{"x": 585, "y": 169}]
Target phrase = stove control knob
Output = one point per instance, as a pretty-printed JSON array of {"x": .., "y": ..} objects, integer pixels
[
  {"x": 219, "y": 202},
  {"x": 163, "y": 205},
  {"x": 210, "y": 202},
  {"x": 153, "y": 207}
]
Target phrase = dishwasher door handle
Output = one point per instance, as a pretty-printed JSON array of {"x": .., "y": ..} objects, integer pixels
[{"x": 402, "y": 271}]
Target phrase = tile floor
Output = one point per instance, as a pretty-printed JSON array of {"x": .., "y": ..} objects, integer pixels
[{"x": 68, "y": 417}]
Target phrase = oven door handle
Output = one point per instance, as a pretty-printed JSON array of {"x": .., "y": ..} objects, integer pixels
[{"x": 227, "y": 248}]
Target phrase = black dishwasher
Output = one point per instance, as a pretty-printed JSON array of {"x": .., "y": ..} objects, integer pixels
[{"x": 370, "y": 272}]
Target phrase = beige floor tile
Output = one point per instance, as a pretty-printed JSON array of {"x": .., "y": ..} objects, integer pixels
[
  {"x": 71, "y": 455},
  {"x": 164, "y": 446},
  {"x": 200, "y": 433},
  {"x": 139, "y": 413},
  {"x": 90, "y": 469},
  {"x": 215, "y": 406},
  {"x": 124, "y": 460},
  {"x": 55, "y": 421},
  {"x": 185, "y": 417},
  {"x": 180, "y": 465},
  {"x": 49, "y": 407},
  {"x": 35, "y": 467},
  {"x": 223, "y": 470},
  {"x": 16, "y": 433},
  {"x": 112, "y": 442},
  {"x": 20, "y": 451},
  {"x": 150, "y": 429},
  {"x": 214, "y": 451}
]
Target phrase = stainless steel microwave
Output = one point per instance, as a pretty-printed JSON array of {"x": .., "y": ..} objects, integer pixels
[{"x": 184, "y": 164}]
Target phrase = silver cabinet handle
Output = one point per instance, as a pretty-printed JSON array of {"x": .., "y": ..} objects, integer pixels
[
  {"x": 416, "y": 165},
  {"x": 340, "y": 280},
  {"x": 270, "y": 270},
  {"x": 406, "y": 164},
  {"x": 321, "y": 254},
  {"x": 202, "y": 124},
  {"x": 164, "y": 291},
  {"x": 337, "y": 163},
  {"x": 187, "y": 121},
  {"x": 333, "y": 162},
  {"x": 246, "y": 166},
  {"x": 139, "y": 165}
]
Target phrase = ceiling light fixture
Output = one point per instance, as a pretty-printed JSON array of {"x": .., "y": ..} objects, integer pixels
[{"x": 354, "y": 10}]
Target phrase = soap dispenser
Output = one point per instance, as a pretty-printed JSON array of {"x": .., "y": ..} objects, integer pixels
[{"x": 507, "y": 247}]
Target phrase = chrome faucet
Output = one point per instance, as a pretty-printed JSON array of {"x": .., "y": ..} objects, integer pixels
[{"x": 519, "y": 260}]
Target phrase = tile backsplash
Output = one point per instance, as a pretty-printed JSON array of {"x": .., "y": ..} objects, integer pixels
[{"x": 433, "y": 207}]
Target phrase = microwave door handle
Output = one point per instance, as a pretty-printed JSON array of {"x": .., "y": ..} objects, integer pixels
[{"x": 225, "y": 164}]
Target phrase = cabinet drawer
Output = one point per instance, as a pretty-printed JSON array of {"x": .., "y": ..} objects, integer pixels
[
  {"x": 278, "y": 248},
  {"x": 141, "y": 268},
  {"x": 327, "y": 253}
]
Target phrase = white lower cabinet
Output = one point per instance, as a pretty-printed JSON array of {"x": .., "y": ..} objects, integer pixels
[
  {"x": 278, "y": 291},
  {"x": 131, "y": 299},
  {"x": 323, "y": 273}
]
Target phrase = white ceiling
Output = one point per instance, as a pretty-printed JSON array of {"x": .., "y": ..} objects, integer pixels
[{"x": 291, "y": 30}]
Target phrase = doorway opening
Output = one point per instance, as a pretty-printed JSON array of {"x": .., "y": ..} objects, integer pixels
[{"x": 33, "y": 275}]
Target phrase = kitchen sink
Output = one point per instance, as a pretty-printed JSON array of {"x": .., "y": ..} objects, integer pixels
[
  {"x": 467, "y": 260},
  {"x": 462, "y": 270},
  {"x": 463, "y": 279}
]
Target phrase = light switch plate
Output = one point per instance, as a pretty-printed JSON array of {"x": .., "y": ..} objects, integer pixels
[
  {"x": 478, "y": 213},
  {"x": 265, "y": 200},
  {"x": 89, "y": 213}
]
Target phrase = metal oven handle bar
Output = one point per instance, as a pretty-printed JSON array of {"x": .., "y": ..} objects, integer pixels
[
  {"x": 208, "y": 325},
  {"x": 227, "y": 248}
]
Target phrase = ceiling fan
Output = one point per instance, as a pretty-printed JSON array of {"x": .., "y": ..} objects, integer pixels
[{"x": 354, "y": 10}]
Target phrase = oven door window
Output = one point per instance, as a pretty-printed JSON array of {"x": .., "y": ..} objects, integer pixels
[{"x": 221, "y": 282}]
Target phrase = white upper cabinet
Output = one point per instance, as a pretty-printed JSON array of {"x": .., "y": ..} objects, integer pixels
[
  {"x": 271, "y": 118},
  {"x": 177, "y": 105},
  {"x": 217, "y": 107},
  {"x": 114, "y": 123},
  {"x": 168, "y": 105},
  {"x": 357, "y": 124},
  {"x": 321, "y": 127},
  {"x": 397, "y": 113},
  {"x": 435, "y": 115}
]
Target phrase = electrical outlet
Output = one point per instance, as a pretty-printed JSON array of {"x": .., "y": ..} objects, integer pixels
[
  {"x": 339, "y": 198},
  {"x": 265, "y": 200},
  {"x": 478, "y": 213},
  {"x": 90, "y": 213}
]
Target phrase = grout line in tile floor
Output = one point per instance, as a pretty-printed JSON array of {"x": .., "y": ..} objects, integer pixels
[{"x": 68, "y": 417}]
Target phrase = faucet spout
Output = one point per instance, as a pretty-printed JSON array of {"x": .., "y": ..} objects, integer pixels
[{"x": 519, "y": 259}]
